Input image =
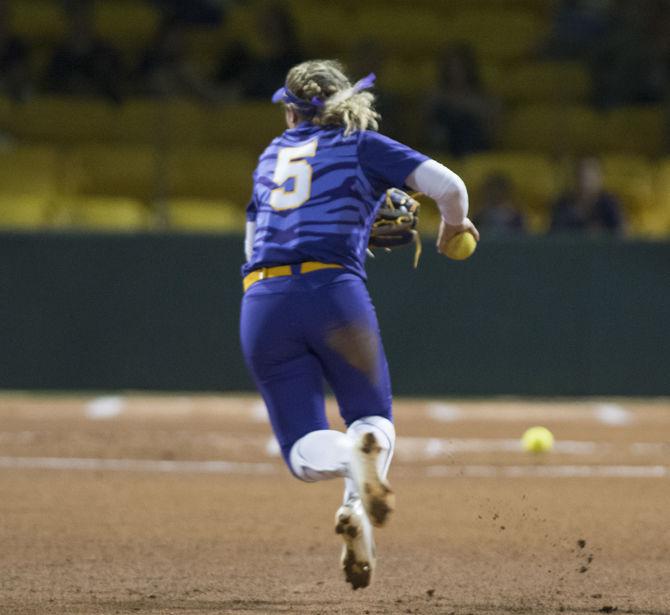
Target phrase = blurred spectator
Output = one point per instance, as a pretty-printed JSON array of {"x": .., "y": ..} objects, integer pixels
[
  {"x": 166, "y": 69},
  {"x": 258, "y": 75},
  {"x": 367, "y": 56},
  {"x": 84, "y": 65},
  {"x": 575, "y": 29},
  {"x": 460, "y": 111},
  {"x": 587, "y": 206},
  {"x": 498, "y": 213},
  {"x": 629, "y": 63},
  {"x": 15, "y": 79}
]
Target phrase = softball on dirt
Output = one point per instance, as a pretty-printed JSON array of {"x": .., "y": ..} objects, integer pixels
[
  {"x": 537, "y": 440},
  {"x": 461, "y": 246}
]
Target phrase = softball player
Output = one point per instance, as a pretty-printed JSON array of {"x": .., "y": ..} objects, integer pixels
[{"x": 306, "y": 313}]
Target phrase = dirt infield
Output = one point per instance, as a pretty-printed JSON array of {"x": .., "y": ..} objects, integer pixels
[{"x": 169, "y": 504}]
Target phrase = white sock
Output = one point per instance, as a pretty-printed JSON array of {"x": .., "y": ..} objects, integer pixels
[
  {"x": 321, "y": 455},
  {"x": 384, "y": 432}
]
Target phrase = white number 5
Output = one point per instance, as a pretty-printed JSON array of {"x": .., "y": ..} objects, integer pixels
[{"x": 291, "y": 165}]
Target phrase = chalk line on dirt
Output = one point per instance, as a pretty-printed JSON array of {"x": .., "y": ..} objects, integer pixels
[{"x": 245, "y": 468}]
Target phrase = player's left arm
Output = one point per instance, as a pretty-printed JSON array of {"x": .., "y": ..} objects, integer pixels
[
  {"x": 250, "y": 228},
  {"x": 249, "y": 233}
]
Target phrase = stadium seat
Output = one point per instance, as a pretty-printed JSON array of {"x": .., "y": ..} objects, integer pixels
[
  {"x": 105, "y": 213},
  {"x": 251, "y": 124},
  {"x": 321, "y": 26},
  {"x": 63, "y": 120},
  {"x": 631, "y": 178},
  {"x": 640, "y": 130},
  {"x": 532, "y": 176},
  {"x": 419, "y": 32},
  {"x": 538, "y": 82},
  {"x": 497, "y": 34},
  {"x": 24, "y": 211},
  {"x": 29, "y": 170},
  {"x": 662, "y": 196},
  {"x": 38, "y": 21},
  {"x": 407, "y": 77},
  {"x": 6, "y": 112},
  {"x": 554, "y": 129},
  {"x": 159, "y": 123},
  {"x": 211, "y": 173},
  {"x": 127, "y": 170},
  {"x": 129, "y": 24},
  {"x": 205, "y": 215}
]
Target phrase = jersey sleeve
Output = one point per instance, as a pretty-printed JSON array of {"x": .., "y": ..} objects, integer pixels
[{"x": 386, "y": 162}]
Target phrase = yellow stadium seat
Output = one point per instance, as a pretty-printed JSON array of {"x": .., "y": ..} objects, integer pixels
[
  {"x": 106, "y": 213},
  {"x": 29, "y": 170},
  {"x": 246, "y": 124},
  {"x": 640, "y": 130},
  {"x": 321, "y": 26},
  {"x": 412, "y": 33},
  {"x": 38, "y": 21},
  {"x": 541, "y": 8},
  {"x": 554, "y": 128},
  {"x": 497, "y": 34},
  {"x": 205, "y": 215},
  {"x": 63, "y": 120},
  {"x": 163, "y": 123},
  {"x": 6, "y": 112},
  {"x": 548, "y": 82},
  {"x": 662, "y": 194},
  {"x": 631, "y": 178},
  {"x": 532, "y": 175},
  {"x": 121, "y": 170},
  {"x": 24, "y": 211},
  {"x": 241, "y": 25},
  {"x": 407, "y": 77},
  {"x": 126, "y": 23},
  {"x": 211, "y": 173}
]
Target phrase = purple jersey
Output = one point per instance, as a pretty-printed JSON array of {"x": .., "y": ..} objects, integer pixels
[{"x": 316, "y": 192}]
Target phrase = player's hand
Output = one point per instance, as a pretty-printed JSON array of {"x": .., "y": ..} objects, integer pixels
[{"x": 447, "y": 231}]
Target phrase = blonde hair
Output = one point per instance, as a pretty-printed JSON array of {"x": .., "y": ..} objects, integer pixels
[{"x": 324, "y": 79}]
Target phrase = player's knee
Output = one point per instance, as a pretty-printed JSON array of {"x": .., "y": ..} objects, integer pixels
[{"x": 381, "y": 426}]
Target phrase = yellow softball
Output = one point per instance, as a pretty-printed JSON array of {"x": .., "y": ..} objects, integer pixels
[
  {"x": 461, "y": 246},
  {"x": 537, "y": 440}
]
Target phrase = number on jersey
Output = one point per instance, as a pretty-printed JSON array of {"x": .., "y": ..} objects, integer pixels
[{"x": 291, "y": 164}]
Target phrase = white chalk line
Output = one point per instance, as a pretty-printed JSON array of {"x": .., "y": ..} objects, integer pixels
[
  {"x": 136, "y": 465},
  {"x": 427, "y": 448},
  {"x": 605, "y": 413},
  {"x": 242, "y": 468},
  {"x": 105, "y": 408},
  {"x": 546, "y": 471}
]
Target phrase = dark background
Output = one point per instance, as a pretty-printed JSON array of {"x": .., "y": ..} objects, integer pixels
[{"x": 551, "y": 316}]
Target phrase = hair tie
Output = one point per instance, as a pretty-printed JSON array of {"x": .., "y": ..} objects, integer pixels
[{"x": 310, "y": 107}]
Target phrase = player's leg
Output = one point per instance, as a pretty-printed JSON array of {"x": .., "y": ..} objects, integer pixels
[
  {"x": 352, "y": 356},
  {"x": 290, "y": 380}
]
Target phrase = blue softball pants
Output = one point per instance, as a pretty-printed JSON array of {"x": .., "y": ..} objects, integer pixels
[{"x": 299, "y": 330}]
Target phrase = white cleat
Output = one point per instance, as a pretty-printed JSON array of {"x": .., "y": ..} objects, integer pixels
[
  {"x": 358, "y": 554},
  {"x": 376, "y": 495}
]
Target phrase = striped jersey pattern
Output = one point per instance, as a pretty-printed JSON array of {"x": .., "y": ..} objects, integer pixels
[{"x": 316, "y": 192}]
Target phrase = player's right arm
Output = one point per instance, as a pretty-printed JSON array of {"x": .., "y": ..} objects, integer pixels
[
  {"x": 388, "y": 163},
  {"x": 449, "y": 192}
]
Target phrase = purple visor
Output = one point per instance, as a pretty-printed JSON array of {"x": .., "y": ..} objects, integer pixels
[{"x": 283, "y": 94}]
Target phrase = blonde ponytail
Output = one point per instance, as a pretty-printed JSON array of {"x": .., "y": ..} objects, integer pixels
[{"x": 335, "y": 101}]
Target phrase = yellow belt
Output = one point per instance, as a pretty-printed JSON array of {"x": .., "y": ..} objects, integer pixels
[{"x": 282, "y": 270}]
